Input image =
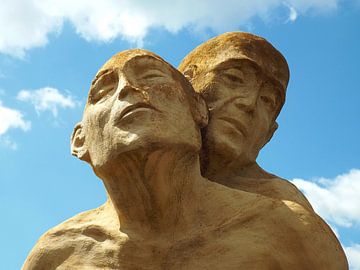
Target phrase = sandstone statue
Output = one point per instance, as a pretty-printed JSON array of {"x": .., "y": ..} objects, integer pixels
[
  {"x": 243, "y": 79},
  {"x": 141, "y": 134}
]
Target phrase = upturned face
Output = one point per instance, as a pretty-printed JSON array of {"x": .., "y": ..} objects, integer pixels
[
  {"x": 140, "y": 105},
  {"x": 243, "y": 105}
]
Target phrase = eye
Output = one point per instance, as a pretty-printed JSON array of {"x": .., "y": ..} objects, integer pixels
[
  {"x": 100, "y": 94},
  {"x": 152, "y": 74},
  {"x": 103, "y": 86},
  {"x": 233, "y": 76},
  {"x": 268, "y": 101}
]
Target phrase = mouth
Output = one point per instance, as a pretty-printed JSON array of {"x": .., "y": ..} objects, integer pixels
[
  {"x": 236, "y": 124},
  {"x": 136, "y": 107}
]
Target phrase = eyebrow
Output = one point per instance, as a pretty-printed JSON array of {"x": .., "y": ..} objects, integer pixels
[
  {"x": 101, "y": 75},
  {"x": 276, "y": 88},
  {"x": 98, "y": 79},
  {"x": 236, "y": 64},
  {"x": 154, "y": 64}
]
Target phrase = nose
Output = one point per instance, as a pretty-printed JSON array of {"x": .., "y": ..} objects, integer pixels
[{"x": 125, "y": 90}]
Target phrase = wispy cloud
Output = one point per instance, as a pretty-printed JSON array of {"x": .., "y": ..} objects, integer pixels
[
  {"x": 11, "y": 118},
  {"x": 292, "y": 14},
  {"x": 8, "y": 142},
  {"x": 27, "y": 24},
  {"x": 353, "y": 255},
  {"x": 47, "y": 99},
  {"x": 337, "y": 200}
]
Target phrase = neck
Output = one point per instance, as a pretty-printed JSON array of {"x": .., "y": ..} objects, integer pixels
[
  {"x": 152, "y": 192},
  {"x": 220, "y": 168}
]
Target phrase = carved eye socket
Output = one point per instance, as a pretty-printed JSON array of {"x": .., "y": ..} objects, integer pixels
[
  {"x": 103, "y": 92},
  {"x": 233, "y": 76},
  {"x": 105, "y": 84},
  {"x": 268, "y": 101},
  {"x": 153, "y": 74}
]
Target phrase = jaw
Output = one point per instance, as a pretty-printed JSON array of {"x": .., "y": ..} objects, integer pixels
[{"x": 224, "y": 155}]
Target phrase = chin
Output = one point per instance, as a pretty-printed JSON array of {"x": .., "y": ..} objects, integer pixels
[{"x": 229, "y": 150}]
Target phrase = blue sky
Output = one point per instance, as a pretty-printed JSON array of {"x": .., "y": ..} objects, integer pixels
[{"x": 49, "y": 53}]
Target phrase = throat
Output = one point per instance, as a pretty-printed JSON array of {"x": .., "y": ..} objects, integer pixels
[{"x": 150, "y": 191}]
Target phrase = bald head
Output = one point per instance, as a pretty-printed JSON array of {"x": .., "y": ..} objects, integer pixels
[{"x": 122, "y": 60}]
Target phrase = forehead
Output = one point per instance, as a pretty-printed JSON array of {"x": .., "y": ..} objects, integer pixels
[
  {"x": 210, "y": 57},
  {"x": 144, "y": 62},
  {"x": 123, "y": 62},
  {"x": 236, "y": 63},
  {"x": 251, "y": 71},
  {"x": 121, "y": 59}
]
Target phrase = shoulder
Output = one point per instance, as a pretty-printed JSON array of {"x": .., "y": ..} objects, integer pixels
[
  {"x": 273, "y": 187},
  {"x": 308, "y": 237},
  {"x": 58, "y": 244},
  {"x": 289, "y": 233},
  {"x": 50, "y": 251},
  {"x": 288, "y": 191},
  {"x": 295, "y": 236}
]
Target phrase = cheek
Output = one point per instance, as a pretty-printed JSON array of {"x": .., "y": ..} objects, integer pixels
[
  {"x": 220, "y": 133},
  {"x": 168, "y": 93},
  {"x": 95, "y": 122},
  {"x": 262, "y": 127},
  {"x": 172, "y": 101},
  {"x": 99, "y": 118}
]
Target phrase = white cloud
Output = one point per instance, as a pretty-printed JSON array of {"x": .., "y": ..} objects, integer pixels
[
  {"x": 8, "y": 142},
  {"x": 26, "y": 24},
  {"x": 353, "y": 255},
  {"x": 337, "y": 200},
  {"x": 11, "y": 118},
  {"x": 47, "y": 99},
  {"x": 293, "y": 14}
]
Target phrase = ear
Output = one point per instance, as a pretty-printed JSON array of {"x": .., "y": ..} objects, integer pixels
[
  {"x": 201, "y": 112},
  {"x": 78, "y": 147},
  {"x": 271, "y": 132}
]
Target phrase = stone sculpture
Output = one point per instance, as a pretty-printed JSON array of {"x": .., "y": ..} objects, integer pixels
[
  {"x": 243, "y": 79},
  {"x": 140, "y": 133}
]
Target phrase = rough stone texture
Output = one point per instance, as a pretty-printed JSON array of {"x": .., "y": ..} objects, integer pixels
[
  {"x": 243, "y": 80},
  {"x": 140, "y": 133}
]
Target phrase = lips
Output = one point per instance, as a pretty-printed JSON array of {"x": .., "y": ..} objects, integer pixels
[
  {"x": 236, "y": 124},
  {"x": 135, "y": 107}
]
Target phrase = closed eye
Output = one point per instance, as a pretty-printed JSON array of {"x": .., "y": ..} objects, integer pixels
[
  {"x": 153, "y": 74},
  {"x": 234, "y": 78},
  {"x": 99, "y": 94},
  {"x": 103, "y": 85},
  {"x": 268, "y": 101}
]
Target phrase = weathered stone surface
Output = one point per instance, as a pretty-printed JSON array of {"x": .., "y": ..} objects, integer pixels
[
  {"x": 243, "y": 79},
  {"x": 140, "y": 133}
]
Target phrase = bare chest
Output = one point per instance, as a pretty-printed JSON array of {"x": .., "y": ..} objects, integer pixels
[{"x": 201, "y": 252}]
